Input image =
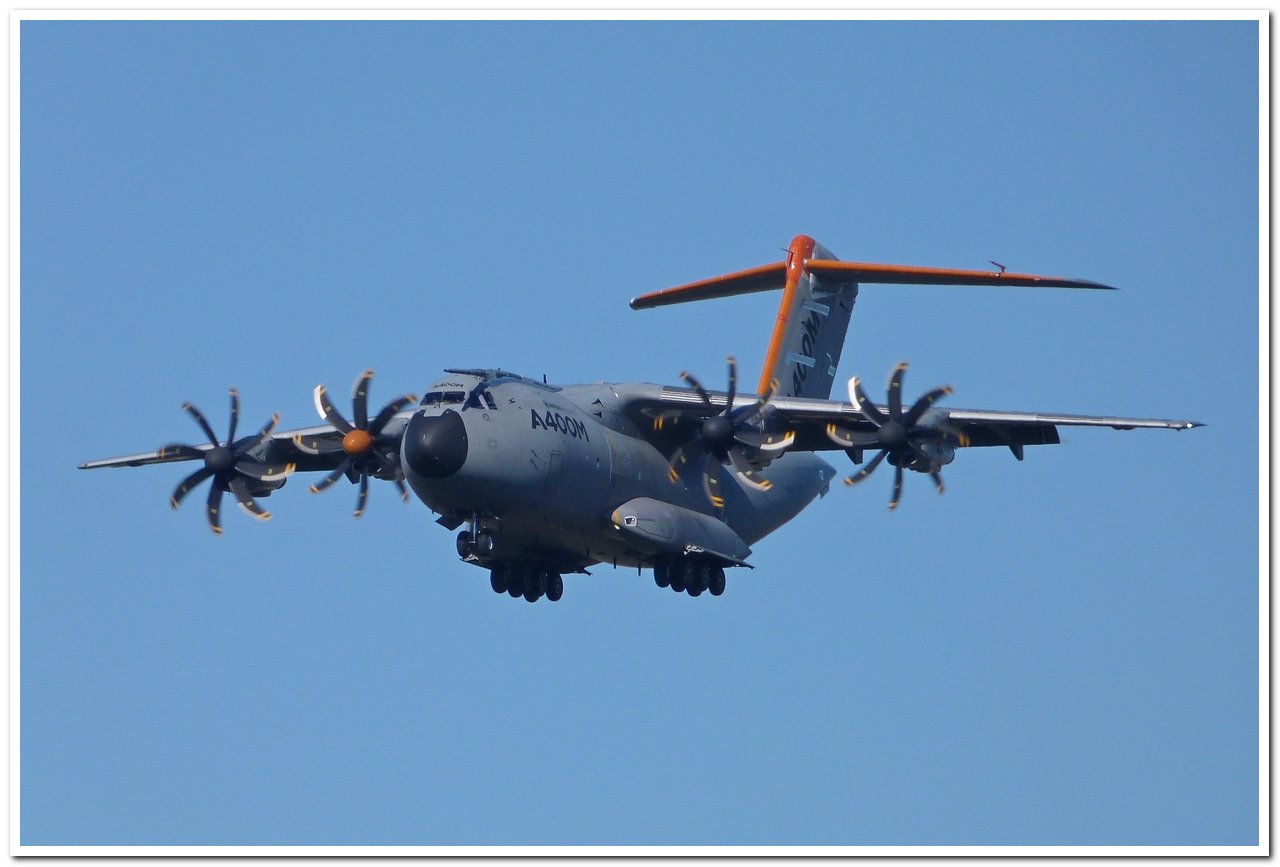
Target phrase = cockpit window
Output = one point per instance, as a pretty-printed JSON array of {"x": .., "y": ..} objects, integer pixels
[{"x": 453, "y": 398}]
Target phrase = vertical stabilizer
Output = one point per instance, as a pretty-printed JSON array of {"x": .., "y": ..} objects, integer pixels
[{"x": 810, "y": 330}]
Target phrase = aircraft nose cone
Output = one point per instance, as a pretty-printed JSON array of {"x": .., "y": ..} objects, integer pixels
[{"x": 435, "y": 447}]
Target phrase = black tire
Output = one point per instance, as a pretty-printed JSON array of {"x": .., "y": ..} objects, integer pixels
[
  {"x": 535, "y": 584},
  {"x": 715, "y": 581},
  {"x": 662, "y": 573},
  {"x": 484, "y": 544},
  {"x": 465, "y": 544},
  {"x": 555, "y": 586},
  {"x": 498, "y": 578},
  {"x": 515, "y": 580},
  {"x": 677, "y": 577},
  {"x": 693, "y": 572},
  {"x": 695, "y": 590}
]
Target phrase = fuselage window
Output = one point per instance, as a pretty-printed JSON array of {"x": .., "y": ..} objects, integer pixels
[
  {"x": 432, "y": 399},
  {"x": 488, "y": 399},
  {"x": 453, "y": 397}
]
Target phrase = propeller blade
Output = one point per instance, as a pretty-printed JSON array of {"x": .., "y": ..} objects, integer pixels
[
  {"x": 866, "y": 470},
  {"x": 961, "y": 438},
  {"x": 711, "y": 481},
  {"x": 746, "y": 472},
  {"x": 389, "y": 411},
  {"x": 660, "y": 419},
  {"x": 895, "y": 391},
  {"x": 404, "y": 492},
  {"x": 327, "y": 412},
  {"x": 363, "y": 497},
  {"x": 261, "y": 437},
  {"x": 897, "y": 488},
  {"x": 203, "y": 422},
  {"x": 851, "y": 439},
  {"x": 360, "y": 400},
  {"x": 928, "y": 435},
  {"x": 213, "y": 506},
  {"x": 264, "y": 472},
  {"x": 767, "y": 395},
  {"x": 317, "y": 445},
  {"x": 241, "y": 489},
  {"x": 178, "y": 450},
  {"x": 185, "y": 486},
  {"x": 922, "y": 405},
  {"x": 697, "y": 386},
  {"x": 679, "y": 459},
  {"x": 235, "y": 415},
  {"x": 328, "y": 480},
  {"x": 764, "y": 441},
  {"x": 858, "y": 398},
  {"x": 733, "y": 384},
  {"x": 937, "y": 481}
]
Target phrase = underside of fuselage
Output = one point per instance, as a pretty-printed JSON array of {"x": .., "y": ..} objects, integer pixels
[{"x": 539, "y": 473}]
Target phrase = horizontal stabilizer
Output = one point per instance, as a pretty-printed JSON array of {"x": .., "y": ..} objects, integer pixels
[
  {"x": 760, "y": 279},
  {"x": 867, "y": 272}
]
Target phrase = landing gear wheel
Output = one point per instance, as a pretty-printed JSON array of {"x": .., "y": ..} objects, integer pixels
[
  {"x": 662, "y": 573},
  {"x": 535, "y": 584},
  {"x": 701, "y": 575},
  {"x": 715, "y": 580},
  {"x": 677, "y": 577},
  {"x": 689, "y": 577},
  {"x": 465, "y": 544},
  {"x": 515, "y": 580},
  {"x": 498, "y": 578},
  {"x": 484, "y": 544},
  {"x": 555, "y": 586}
]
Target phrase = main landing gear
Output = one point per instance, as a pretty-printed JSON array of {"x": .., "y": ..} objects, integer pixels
[
  {"x": 530, "y": 580},
  {"x": 688, "y": 575}
]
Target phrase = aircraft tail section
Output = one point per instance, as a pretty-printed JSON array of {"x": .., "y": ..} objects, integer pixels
[
  {"x": 809, "y": 332},
  {"x": 818, "y": 294}
]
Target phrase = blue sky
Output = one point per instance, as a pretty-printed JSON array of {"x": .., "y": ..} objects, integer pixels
[{"x": 1058, "y": 652}]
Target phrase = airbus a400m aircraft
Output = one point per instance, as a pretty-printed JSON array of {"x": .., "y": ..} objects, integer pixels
[{"x": 550, "y": 480}]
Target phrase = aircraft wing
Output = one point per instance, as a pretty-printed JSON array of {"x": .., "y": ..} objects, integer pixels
[
  {"x": 805, "y": 423},
  {"x": 297, "y": 447}
]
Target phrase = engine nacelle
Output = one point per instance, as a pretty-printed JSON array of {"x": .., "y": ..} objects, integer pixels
[{"x": 936, "y": 456}]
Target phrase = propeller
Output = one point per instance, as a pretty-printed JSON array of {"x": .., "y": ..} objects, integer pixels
[
  {"x": 367, "y": 453},
  {"x": 899, "y": 435},
  {"x": 730, "y": 436},
  {"x": 228, "y": 464}
]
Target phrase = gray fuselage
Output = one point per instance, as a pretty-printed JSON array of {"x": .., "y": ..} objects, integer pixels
[{"x": 543, "y": 469}]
